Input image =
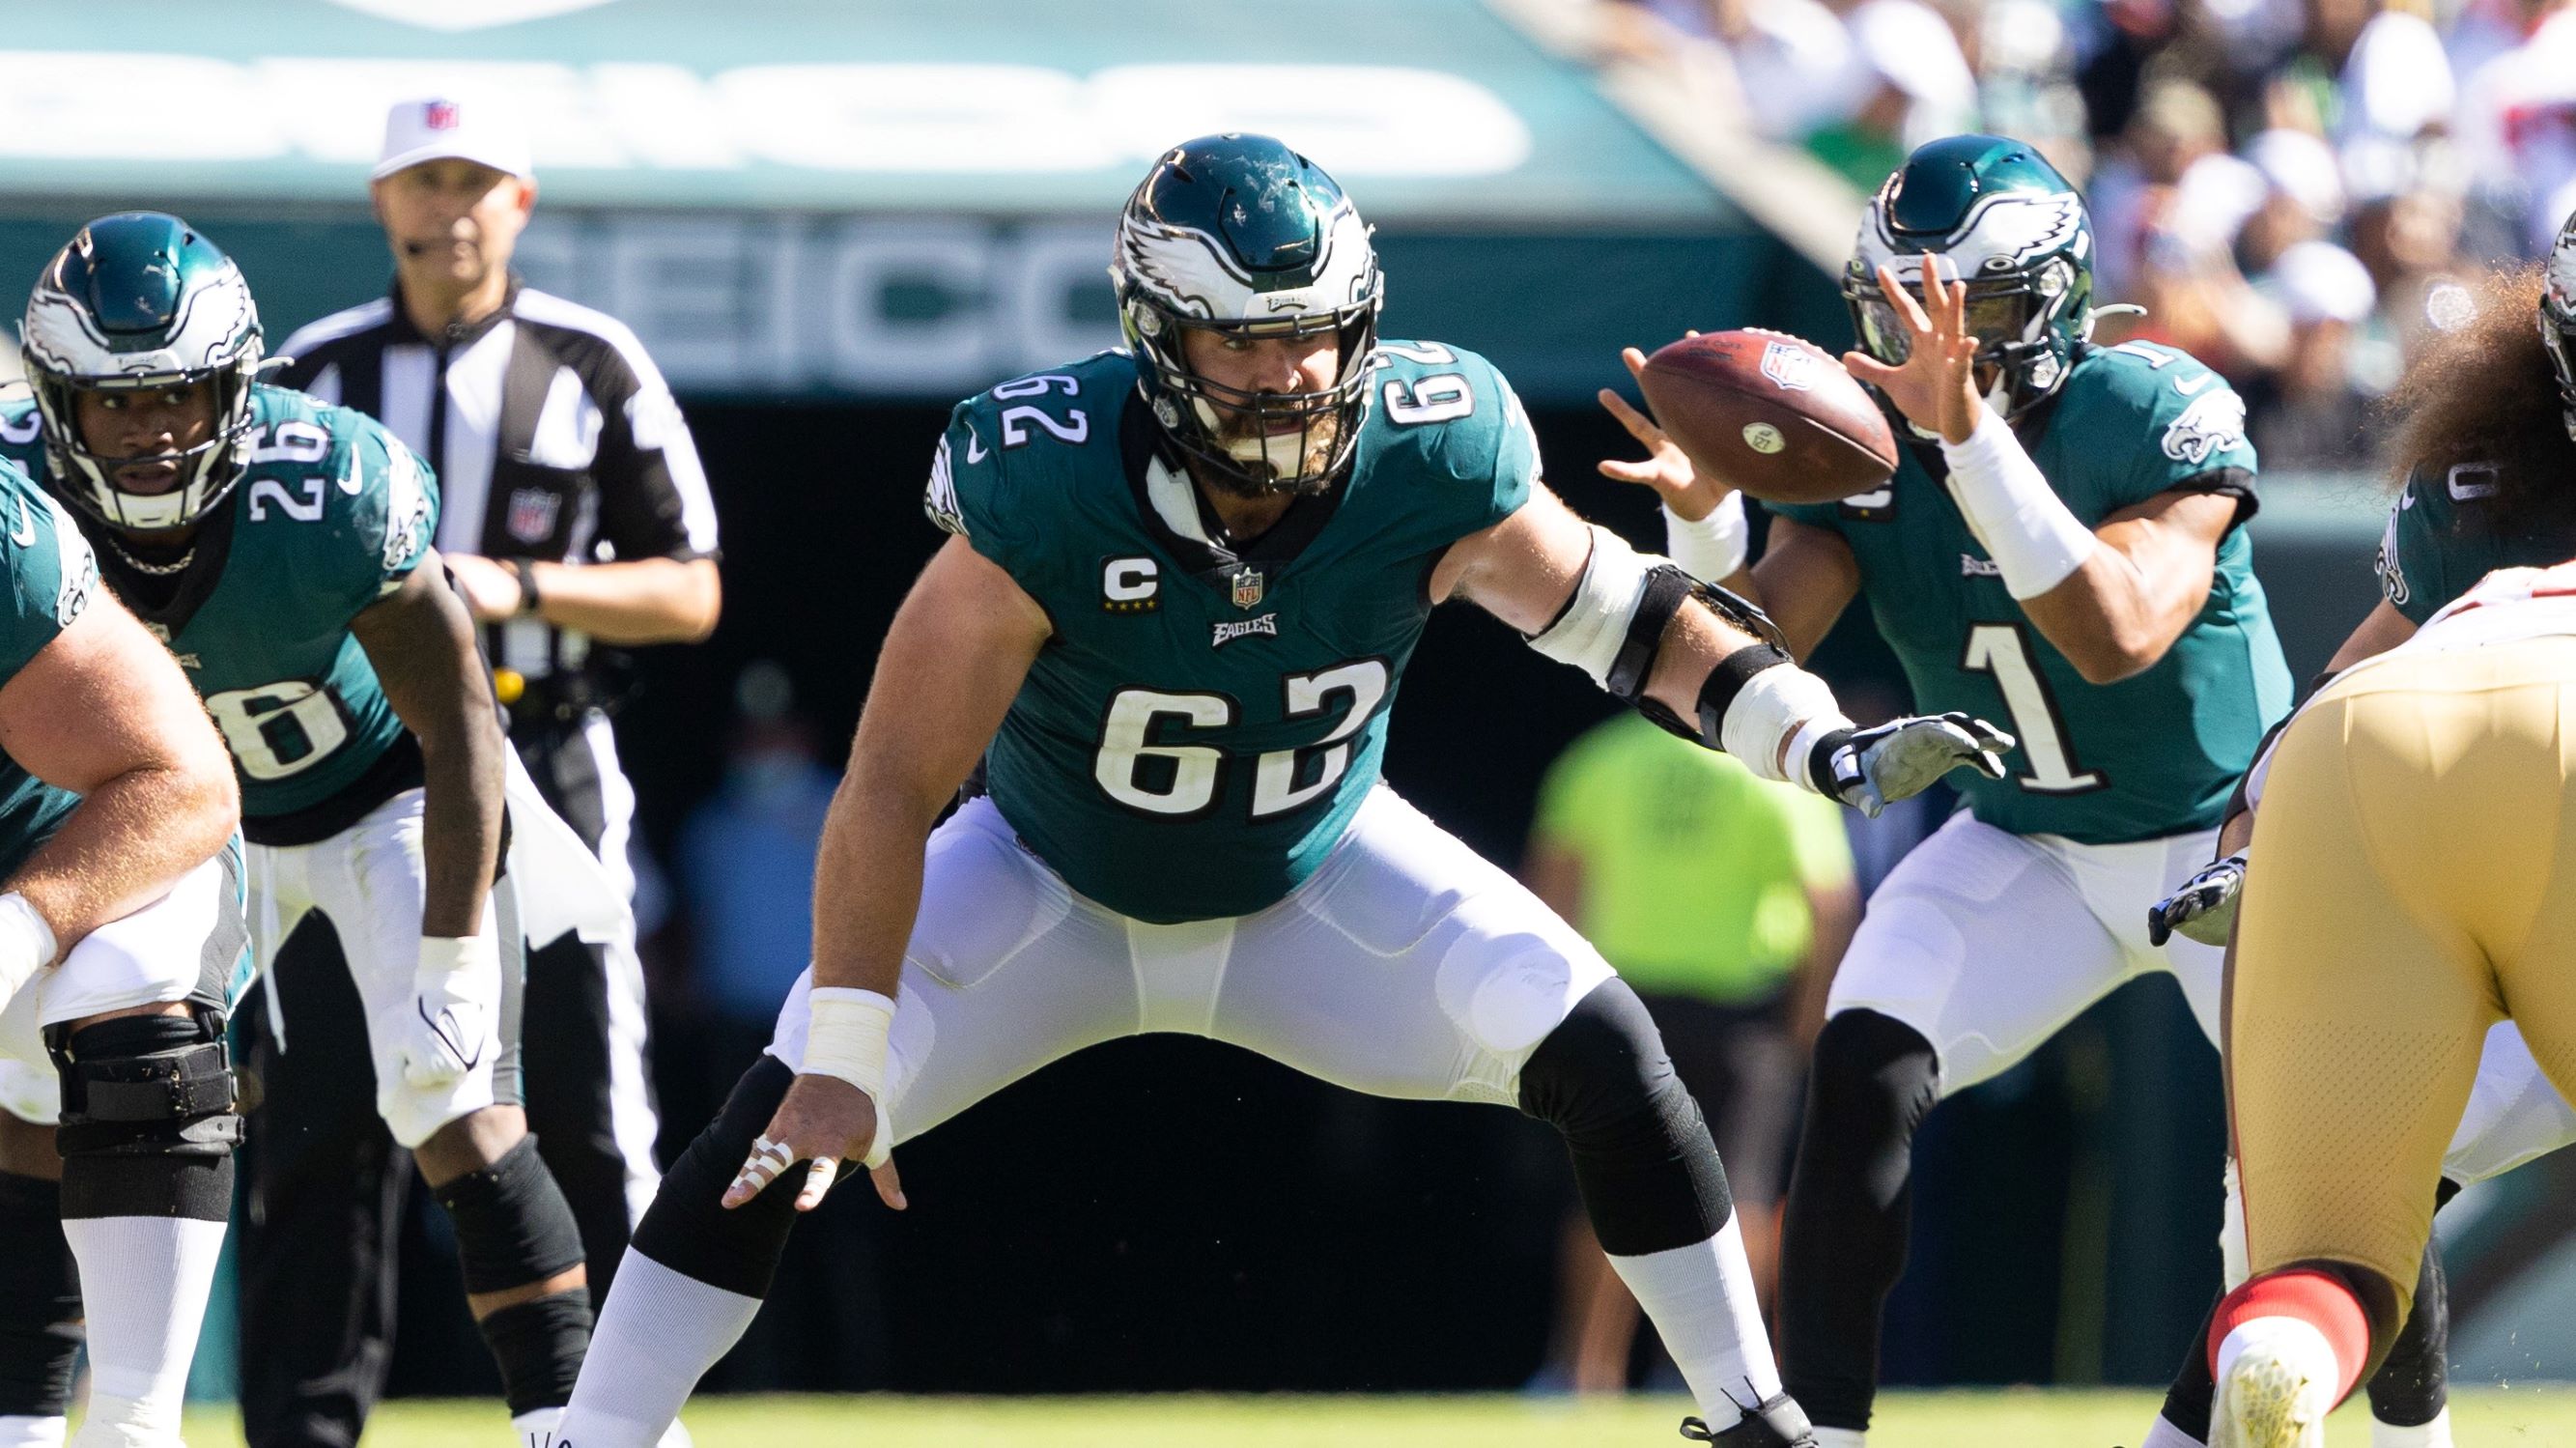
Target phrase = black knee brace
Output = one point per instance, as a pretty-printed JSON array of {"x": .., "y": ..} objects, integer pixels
[
  {"x": 148, "y": 1126},
  {"x": 40, "y": 1303},
  {"x": 688, "y": 1230},
  {"x": 1642, "y": 1156},
  {"x": 1873, "y": 1081},
  {"x": 512, "y": 1227}
]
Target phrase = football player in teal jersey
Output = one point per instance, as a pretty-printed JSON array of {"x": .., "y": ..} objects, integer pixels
[
  {"x": 280, "y": 548},
  {"x": 2486, "y": 448},
  {"x": 1182, "y": 586},
  {"x": 122, "y": 948},
  {"x": 2061, "y": 546}
]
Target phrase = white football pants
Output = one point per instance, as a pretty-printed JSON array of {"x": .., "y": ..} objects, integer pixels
[{"x": 1407, "y": 966}]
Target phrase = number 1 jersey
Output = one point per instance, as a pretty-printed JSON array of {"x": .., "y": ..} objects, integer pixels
[
  {"x": 1203, "y": 722},
  {"x": 331, "y": 513},
  {"x": 2152, "y": 755}
]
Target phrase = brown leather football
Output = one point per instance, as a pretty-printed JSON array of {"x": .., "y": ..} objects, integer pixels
[{"x": 1770, "y": 414}]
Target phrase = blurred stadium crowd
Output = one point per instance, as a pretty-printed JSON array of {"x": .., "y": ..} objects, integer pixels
[{"x": 2292, "y": 189}]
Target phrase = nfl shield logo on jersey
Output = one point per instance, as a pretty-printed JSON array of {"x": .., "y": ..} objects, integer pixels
[
  {"x": 532, "y": 514},
  {"x": 1247, "y": 587}
]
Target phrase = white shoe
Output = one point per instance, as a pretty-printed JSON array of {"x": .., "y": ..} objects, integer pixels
[{"x": 2272, "y": 1395}]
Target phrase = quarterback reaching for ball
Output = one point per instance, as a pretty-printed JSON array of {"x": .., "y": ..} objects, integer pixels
[
  {"x": 1182, "y": 588},
  {"x": 2060, "y": 543}
]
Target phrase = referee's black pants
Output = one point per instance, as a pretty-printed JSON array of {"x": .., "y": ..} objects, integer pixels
[{"x": 324, "y": 1186}]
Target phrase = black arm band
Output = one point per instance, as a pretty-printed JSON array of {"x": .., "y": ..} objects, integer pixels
[{"x": 1667, "y": 586}]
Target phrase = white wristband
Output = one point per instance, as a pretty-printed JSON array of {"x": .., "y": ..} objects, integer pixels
[
  {"x": 2035, "y": 542},
  {"x": 26, "y": 944},
  {"x": 847, "y": 1036},
  {"x": 1714, "y": 548},
  {"x": 1783, "y": 702},
  {"x": 443, "y": 956}
]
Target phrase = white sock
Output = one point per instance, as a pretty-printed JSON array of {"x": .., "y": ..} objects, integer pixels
[
  {"x": 1840, "y": 1438},
  {"x": 1700, "y": 1299},
  {"x": 2165, "y": 1435},
  {"x": 2436, "y": 1434},
  {"x": 144, "y": 1284},
  {"x": 658, "y": 1334},
  {"x": 22, "y": 1431}
]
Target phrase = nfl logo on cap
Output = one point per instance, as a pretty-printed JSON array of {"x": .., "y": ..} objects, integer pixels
[{"x": 439, "y": 115}]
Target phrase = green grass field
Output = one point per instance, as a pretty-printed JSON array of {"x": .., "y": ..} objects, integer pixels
[{"x": 2489, "y": 1418}]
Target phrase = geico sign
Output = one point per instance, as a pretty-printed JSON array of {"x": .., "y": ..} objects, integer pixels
[
  {"x": 891, "y": 118},
  {"x": 772, "y": 304}
]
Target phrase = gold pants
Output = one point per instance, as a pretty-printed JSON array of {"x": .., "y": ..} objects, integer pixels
[{"x": 2412, "y": 881}]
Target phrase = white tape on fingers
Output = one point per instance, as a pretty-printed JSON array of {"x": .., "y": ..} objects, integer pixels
[{"x": 768, "y": 1158}]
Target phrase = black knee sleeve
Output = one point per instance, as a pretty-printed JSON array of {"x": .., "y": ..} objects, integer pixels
[
  {"x": 148, "y": 1125},
  {"x": 1643, "y": 1159},
  {"x": 512, "y": 1227},
  {"x": 40, "y": 1303},
  {"x": 539, "y": 1347},
  {"x": 688, "y": 1230},
  {"x": 1873, "y": 1081}
]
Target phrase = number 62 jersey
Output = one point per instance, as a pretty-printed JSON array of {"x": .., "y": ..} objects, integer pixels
[
  {"x": 2152, "y": 755},
  {"x": 331, "y": 513},
  {"x": 1202, "y": 723}
]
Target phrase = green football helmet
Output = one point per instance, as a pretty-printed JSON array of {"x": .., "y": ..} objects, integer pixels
[
  {"x": 1995, "y": 214},
  {"x": 135, "y": 302},
  {"x": 1240, "y": 235}
]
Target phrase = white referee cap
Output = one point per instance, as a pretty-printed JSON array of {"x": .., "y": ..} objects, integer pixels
[{"x": 440, "y": 127}]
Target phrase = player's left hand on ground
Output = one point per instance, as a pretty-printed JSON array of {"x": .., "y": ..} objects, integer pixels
[
  {"x": 1901, "y": 758},
  {"x": 2203, "y": 908},
  {"x": 456, "y": 995},
  {"x": 822, "y": 1121},
  {"x": 1936, "y": 385}
]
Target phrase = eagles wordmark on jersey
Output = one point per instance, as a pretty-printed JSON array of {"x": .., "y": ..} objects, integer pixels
[{"x": 1203, "y": 723}]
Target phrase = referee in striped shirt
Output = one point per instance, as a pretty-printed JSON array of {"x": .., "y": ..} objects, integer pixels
[{"x": 573, "y": 514}]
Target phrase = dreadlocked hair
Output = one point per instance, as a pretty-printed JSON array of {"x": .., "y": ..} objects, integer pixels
[{"x": 2484, "y": 394}]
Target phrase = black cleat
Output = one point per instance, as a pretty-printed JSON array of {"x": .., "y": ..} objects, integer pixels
[{"x": 1776, "y": 1423}]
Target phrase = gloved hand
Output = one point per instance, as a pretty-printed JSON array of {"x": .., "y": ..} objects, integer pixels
[
  {"x": 2203, "y": 908},
  {"x": 456, "y": 996},
  {"x": 1874, "y": 768}
]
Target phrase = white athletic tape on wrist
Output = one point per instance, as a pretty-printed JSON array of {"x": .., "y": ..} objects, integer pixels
[
  {"x": 1714, "y": 548},
  {"x": 1594, "y": 624},
  {"x": 26, "y": 944},
  {"x": 442, "y": 956},
  {"x": 845, "y": 1038},
  {"x": 1781, "y": 702},
  {"x": 2036, "y": 544}
]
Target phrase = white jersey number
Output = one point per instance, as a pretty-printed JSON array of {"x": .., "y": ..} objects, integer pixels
[
  {"x": 277, "y": 730},
  {"x": 1142, "y": 772},
  {"x": 1999, "y": 649}
]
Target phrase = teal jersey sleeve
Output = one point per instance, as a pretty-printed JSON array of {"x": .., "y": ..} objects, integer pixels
[
  {"x": 2188, "y": 426},
  {"x": 2413, "y": 559},
  {"x": 1446, "y": 426},
  {"x": 389, "y": 507},
  {"x": 53, "y": 576}
]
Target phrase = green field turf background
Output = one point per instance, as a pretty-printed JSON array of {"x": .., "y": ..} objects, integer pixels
[{"x": 2489, "y": 1418}]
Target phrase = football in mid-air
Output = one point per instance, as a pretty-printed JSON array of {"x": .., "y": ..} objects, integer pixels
[{"x": 1771, "y": 414}]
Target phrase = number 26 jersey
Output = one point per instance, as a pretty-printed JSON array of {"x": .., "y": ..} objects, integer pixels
[
  {"x": 1203, "y": 722},
  {"x": 2155, "y": 754},
  {"x": 331, "y": 513}
]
